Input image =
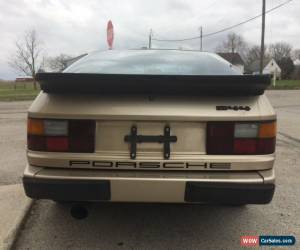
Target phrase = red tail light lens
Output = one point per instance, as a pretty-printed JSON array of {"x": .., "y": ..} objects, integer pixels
[
  {"x": 244, "y": 146},
  {"x": 241, "y": 138},
  {"x": 57, "y": 144},
  {"x": 61, "y": 135}
]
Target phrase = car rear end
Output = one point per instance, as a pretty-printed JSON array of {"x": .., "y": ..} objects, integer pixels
[{"x": 148, "y": 147}]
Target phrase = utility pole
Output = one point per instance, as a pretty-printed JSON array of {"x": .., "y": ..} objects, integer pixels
[
  {"x": 201, "y": 39},
  {"x": 262, "y": 48},
  {"x": 150, "y": 39}
]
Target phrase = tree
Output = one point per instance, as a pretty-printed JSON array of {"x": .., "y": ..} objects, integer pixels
[
  {"x": 253, "y": 54},
  {"x": 296, "y": 54},
  {"x": 296, "y": 73},
  {"x": 280, "y": 50},
  {"x": 234, "y": 43},
  {"x": 58, "y": 63},
  {"x": 27, "y": 58},
  {"x": 287, "y": 67}
]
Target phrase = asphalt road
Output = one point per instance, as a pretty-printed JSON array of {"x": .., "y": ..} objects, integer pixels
[
  {"x": 154, "y": 226},
  {"x": 12, "y": 141}
]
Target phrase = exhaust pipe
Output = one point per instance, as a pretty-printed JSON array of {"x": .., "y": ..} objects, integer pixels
[{"x": 79, "y": 211}]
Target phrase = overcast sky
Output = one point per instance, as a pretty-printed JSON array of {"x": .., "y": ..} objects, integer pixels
[{"x": 77, "y": 26}]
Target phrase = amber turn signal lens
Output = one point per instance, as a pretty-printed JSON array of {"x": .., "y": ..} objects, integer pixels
[
  {"x": 35, "y": 126},
  {"x": 267, "y": 130}
]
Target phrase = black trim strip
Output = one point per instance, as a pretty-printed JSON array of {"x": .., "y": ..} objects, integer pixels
[
  {"x": 229, "y": 193},
  {"x": 67, "y": 190}
]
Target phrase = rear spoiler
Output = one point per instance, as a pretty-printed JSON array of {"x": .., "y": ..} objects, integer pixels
[{"x": 84, "y": 83}]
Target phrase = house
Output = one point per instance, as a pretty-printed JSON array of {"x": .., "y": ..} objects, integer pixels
[
  {"x": 24, "y": 79},
  {"x": 269, "y": 67},
  {"x": 296, "y": 73},
  {"x": 235, "y": 59},
  {"x": 297, "y": 62}
]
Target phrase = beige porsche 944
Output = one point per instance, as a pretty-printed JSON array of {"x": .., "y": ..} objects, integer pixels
[{"x": 151, "y": 126}]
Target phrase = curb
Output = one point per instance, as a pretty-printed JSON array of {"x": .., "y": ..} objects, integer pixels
[{"x": 13, "y": 234}]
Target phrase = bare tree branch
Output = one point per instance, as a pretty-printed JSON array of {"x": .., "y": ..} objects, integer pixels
[
  {"x": 234, "y": 43},
  {"x": 280, "y": 50},
  {"x": 27, "y": 58},
  {"x": 253, "y": 54},
  {"x": 58, "y": 63}
]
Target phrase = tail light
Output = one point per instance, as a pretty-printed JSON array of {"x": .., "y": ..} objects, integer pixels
[
  {"x": 241, "y": 138},
  {"x": 61, "y": 135}
]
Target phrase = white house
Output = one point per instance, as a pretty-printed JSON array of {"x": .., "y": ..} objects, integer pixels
[
  {"x": 297, "y": 62},
  {"x": 270, "y": 67}
]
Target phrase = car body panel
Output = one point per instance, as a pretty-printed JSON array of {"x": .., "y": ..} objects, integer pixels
[
  {"x": 156, "y": 108},
  {"x": 155, "y": 186},
  {"x": 146, "y": 162}
]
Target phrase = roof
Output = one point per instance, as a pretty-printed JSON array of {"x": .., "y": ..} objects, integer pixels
[
  {"x": 152, "y": 62},
  {"x": 255, "y": 66},
  {"x": 233, "y": 58}
]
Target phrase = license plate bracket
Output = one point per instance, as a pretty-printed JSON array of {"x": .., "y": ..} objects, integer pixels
[{"x": 133, "y": 138}]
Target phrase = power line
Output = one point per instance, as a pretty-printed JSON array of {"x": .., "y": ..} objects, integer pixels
[
  {"x": 249, "y": 20},
  {"x": 225, "y": 29}
]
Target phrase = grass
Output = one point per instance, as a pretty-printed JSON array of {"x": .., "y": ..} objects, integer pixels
[
  {"x": 286, "y": 84},
  {"x": 12, "y": 91}
]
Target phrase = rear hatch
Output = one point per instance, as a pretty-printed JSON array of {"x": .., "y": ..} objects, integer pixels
[{"x": 116, "y": 116}]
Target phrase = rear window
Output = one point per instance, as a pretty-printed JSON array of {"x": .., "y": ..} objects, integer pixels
[{"x": 153, "y": 62}]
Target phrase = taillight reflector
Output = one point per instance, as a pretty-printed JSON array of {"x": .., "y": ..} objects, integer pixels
[
  {"x": 238, "y": 138},
  {"x": 52, "y": 135}
]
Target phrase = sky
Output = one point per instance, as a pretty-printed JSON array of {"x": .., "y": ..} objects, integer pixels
[{"x": 76, "y": 27}]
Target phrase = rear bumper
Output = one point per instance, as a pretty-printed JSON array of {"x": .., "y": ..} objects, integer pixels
[
  {"x": 129, "y": 186},
  {"x": 229, "y": 193}
]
